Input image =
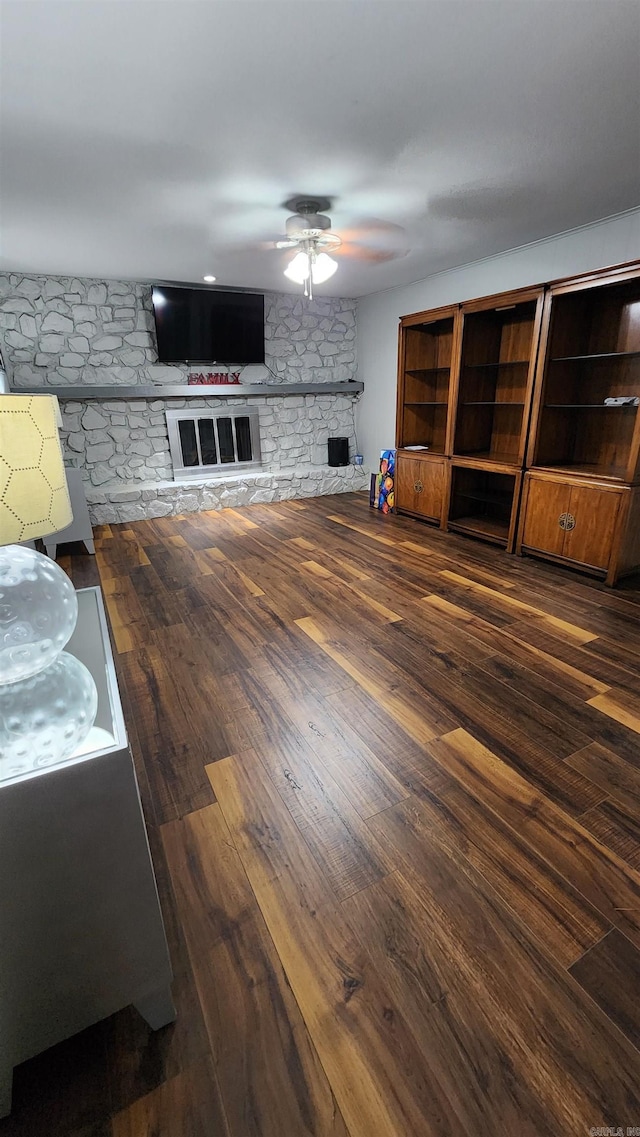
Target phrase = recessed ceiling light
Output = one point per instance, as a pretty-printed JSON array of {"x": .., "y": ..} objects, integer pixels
[{"x": 209, "y": 279}]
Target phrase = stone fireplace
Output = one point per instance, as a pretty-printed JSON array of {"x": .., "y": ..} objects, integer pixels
[{"x": 92, "y": 343}]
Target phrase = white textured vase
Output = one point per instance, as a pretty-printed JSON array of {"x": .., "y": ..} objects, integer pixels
[
  {"x": 45, "y": 717},
  {"x": 38, "y": 612},
  {"x": 48, "y": 698}
]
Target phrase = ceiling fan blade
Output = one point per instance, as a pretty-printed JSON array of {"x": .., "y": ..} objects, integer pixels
[
  {"x": 268, "y": 246},
  {"x": 355, "y": 252},
  {"x": 374, "y": 241}
]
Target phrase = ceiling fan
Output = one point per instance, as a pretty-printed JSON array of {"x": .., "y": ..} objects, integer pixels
[{"x": 309, "y": 231}]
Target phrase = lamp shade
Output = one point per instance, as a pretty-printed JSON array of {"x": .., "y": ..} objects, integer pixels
[
  {"x": 298, "y": 269},
  {"x": 324, "y": 267},
  {"x": 34, "y": 499}
]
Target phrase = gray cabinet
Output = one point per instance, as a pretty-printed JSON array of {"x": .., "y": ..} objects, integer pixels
[{"x": 82, "y": 931}]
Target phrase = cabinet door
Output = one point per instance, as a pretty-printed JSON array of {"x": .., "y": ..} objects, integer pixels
[
  {"x": 547, "y": 502},
  {"x": 591, "y": 522},
  {"x": 420, "y": 486}
]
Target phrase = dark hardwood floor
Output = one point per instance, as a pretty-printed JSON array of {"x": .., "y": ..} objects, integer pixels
[{"x": 392, "y": 784}]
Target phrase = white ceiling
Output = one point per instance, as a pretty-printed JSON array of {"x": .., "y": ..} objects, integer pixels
[{"x": 158, "y": 140}]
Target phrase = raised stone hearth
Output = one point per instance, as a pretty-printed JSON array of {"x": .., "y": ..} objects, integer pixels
[{"x": 163, "y": 499}]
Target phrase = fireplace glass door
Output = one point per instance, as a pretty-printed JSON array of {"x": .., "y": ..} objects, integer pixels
[{"x": 205, "y": 443}]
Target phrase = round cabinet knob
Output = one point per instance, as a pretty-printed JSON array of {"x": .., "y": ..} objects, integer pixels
[
  {"x": 567, "y": 521},
  {"x": 418, "y": 487}
]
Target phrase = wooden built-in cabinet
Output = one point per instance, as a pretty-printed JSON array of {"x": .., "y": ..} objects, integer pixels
[
  {"x": 512, "y": 398},
  {"x": 579, "y": 503},
  {"x": 426, "y": 353},
  {"x": 592, "y": 526},
  {"x": 422, "y": 486},
  {"x": 492, "y": 389},
  {"x": 464, "y": 393}
]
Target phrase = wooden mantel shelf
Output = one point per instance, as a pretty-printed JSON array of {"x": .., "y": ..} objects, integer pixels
[{"x": 183, "y": 391}]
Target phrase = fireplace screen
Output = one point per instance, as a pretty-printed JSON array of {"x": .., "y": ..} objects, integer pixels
[{"x": 204, "y": 442}]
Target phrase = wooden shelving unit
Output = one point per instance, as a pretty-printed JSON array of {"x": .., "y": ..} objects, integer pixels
[
  {"x": 510, "y": 396},
  {"x": 424, "y": 369},
  {"x": 580, "y": 447},
  {"x": 426, "y": 354},
  {"x": 493, "y": 383},
  {"x": 592, "y": 354},
  {"x": 492, "y": 392}
]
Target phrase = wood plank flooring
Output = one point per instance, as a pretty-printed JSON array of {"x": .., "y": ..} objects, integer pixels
[{"x": 392, "y": 784}]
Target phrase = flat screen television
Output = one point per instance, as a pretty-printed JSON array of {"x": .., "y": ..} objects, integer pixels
[{"x": 200, "y": 325}]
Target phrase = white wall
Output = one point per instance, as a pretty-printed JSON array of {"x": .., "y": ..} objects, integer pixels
[{"x": 608, "y": 242}]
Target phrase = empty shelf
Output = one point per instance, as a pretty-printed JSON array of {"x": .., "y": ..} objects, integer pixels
[
  {"x": 595, "y": 356},
  {"x": 488, "y": 527}
]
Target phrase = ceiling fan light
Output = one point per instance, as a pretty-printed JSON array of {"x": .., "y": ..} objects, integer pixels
[
  {"x": 298, "y": 268},
  {"x": 323, "y": 268}
]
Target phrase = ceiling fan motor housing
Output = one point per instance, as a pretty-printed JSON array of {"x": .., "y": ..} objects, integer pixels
[{"x": 307, "y": 225}]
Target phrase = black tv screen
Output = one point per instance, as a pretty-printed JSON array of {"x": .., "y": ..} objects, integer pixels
[{"x": 199, "y": 325}]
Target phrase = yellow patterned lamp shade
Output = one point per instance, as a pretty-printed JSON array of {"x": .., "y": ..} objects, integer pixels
[{"x": 34, "y": 499}]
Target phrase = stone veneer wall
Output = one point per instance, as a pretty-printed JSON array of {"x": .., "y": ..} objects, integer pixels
[
  {"x": 70, "y": 332},
  {"x": 128, "y": 438},
  {"x": 63, "y": 330}
]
